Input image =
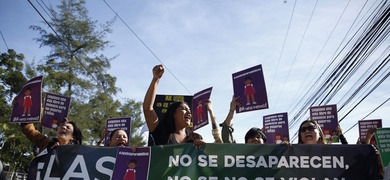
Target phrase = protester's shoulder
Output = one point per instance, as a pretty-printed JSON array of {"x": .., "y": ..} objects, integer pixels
[
  {"x": 223, "y": 124},
  {"x": 197, "y": 136},
  {"x": 28, "y": 128}
]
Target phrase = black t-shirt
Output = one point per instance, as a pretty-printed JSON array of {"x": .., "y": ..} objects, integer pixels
[{"x": 160, "y": 136}]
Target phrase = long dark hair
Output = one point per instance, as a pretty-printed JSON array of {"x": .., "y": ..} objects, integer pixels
[
  {"x": 322, "y": 138},
  {"x": 169, "y": 119},
  {"x": 253, "y": 133},
  {"x": 77, "y": 135},
  {"x": 113, "y": 132}
]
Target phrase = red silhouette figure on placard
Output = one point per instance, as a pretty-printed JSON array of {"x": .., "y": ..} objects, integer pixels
[
  {"x": 199, "y": 110},
  {"x": 130, "y": 171},
  {"x": 27, "y": 102},
  {"x": 249, "y": 91}
]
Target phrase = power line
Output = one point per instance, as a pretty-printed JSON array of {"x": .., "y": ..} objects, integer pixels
[
  {"x": 366, "y": 81},
  {"x": 44, "y": 8},
  {"x": 376, "y": 85},
  {"x": 316, "y": 89},
  {"x": 55, "y": 32},
  {"x": 315, "y": 62},
  {"x": 44, "y": 19},
  {"x": 296, "y": 54},
  {"x": 284, "y": 44},
  {"x": 375, "y": 32},
  {"x": 384, "y": 102},
  {"x": 366, "y": 44},
  {"x": 369, "y": 43},
  {"x": 147, "y": 47},
  {"x": 5, "y": 42},
  {"x": 50, "y": 15}
]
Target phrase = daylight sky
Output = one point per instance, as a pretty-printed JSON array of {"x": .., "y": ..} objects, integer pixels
[{"x": 202, "y": 43}]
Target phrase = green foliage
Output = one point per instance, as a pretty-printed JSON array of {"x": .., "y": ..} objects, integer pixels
[
  {"x": 11, "y": 75},
  {"x": 15, "y": 148},
  {"x": 132, "y": 109},
  {"x": 92, "y": 117},
  {"x": 77, "y": 68},
  {"x": 74, "y": 67},
  {"x": 102, "y": 107}
]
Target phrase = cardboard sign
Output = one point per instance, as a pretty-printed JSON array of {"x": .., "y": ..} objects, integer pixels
[
  {"x": 27, "y": 104},
  {"x": 326, "y": 117},
  {"x": 56, "y": 108},
  {"x": 199, "y": 111},
  {"x": 276, "y": 128},
  {"x": 249, "y": 85}
]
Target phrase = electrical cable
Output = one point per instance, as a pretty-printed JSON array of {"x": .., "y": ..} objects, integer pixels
[
  {"x": 347, "y": 72},
  {"x": 5, "y": 42},
  {"x": 55, "y": 32},
  {"x": 320, "y": 89},
  {"x": 146, "y": 46},
  {"x": 284, "y": 44},
  {"x": 297, "y": 52},
  {"x": 44, "y": 8},
  {"x": 315, "y": 62},
  {"x": 368, "y": 114}
]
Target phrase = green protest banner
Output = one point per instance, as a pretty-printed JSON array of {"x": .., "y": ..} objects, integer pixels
[
  {"x": 382, "y": 136},
  {"x": 216, "y": 162},
  {"x": 260, "y": 162}
]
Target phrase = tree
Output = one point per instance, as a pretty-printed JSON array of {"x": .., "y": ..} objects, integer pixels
[
  {"x": 132, "y": 109},
  {"x": 76, "y": 67},
  {"x": 15, "y": 148},
  {"x": 12, "y": 79},
  {"x": 94, "y": 113}
]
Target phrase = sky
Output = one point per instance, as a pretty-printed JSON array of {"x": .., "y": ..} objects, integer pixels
[{"x": 202, "y": 43}]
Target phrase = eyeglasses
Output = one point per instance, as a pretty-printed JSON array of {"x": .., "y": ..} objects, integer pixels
[{"x": 310, "y": 128}]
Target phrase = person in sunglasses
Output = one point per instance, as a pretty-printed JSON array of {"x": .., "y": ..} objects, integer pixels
[{"x": 311, "y": 133}]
